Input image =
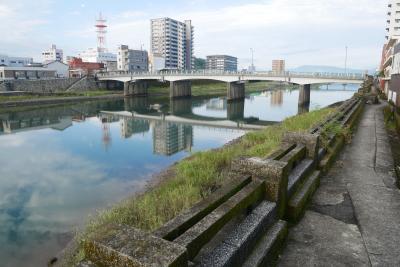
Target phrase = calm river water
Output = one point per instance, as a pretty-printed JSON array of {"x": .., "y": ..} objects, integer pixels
[{"x": 60, "y": 164}]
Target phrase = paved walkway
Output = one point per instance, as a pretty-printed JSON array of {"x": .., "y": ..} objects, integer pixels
[{"x": 354, "y": 218}]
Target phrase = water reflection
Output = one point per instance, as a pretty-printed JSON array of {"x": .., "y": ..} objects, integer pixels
[
  {"x": 61, "y": 163},
  {"x": 304, "y": 108}
]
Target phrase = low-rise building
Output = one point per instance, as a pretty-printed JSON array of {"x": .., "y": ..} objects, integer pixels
[
  {"x": 52, "y": 54},
  {"x": 278, "y": 66},
  {"x": 15, "y": 61},
  {"x": 96, "y": 55},
  {"x": 79, "y": 68},
  {"x": 26, "y": 73},
  {"x": 221, "y": 62},
  {"x": 62, "y": 69},
  {"x": 132, "y": 60}
]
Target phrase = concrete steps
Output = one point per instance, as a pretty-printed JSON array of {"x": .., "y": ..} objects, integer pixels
[
  {"x": 195, "y": 238},
  {"x": 256, "y": 238},
  {"x": 267, "y": 249},
  {"x": 297, "y": 203},
  {"x": 298, "y": 174}
]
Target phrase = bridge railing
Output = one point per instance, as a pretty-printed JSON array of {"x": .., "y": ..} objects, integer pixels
[{"x": 326, "y": 75}]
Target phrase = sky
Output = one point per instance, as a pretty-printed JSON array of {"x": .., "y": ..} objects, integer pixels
[{"x": 303, "y": 32}]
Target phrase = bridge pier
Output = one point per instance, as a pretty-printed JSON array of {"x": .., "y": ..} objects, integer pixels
[
  {"x": 180, "y": 106},
  {"x": 303, "y": 108},
  {"x": 136, "y": 104},
  {"x": 180, "y": 89},
  {"x": 137, "y": 88},
  {"x": 235, "y": 110},
  {"x": 304, "y": 94},
  {"x": 235, "y": 90}
]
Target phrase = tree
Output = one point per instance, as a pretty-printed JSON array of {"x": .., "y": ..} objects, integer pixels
[{"x": 199, "y": 63}]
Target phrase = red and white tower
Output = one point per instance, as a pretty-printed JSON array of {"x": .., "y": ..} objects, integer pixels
[{"x": 101, "y": 29}]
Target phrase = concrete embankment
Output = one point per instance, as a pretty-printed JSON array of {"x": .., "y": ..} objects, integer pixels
[
  {"x": 353, "y": 219},
  {"x": 56, "y": 100}
]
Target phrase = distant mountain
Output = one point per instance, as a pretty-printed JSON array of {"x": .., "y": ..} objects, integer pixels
[{"x": 312, "y": 68}]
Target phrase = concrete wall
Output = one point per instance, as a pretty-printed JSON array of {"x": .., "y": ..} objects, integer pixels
[{"x": 48, "y": 86}]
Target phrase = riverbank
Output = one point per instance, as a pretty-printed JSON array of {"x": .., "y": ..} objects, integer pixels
[
  {"x": 56, "y": 98},
  {"x": 195, "y": 178},
  {"x": 159, "y": 89}
]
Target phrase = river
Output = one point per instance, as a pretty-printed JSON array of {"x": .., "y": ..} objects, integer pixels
[{"x": 61, "y": 164}]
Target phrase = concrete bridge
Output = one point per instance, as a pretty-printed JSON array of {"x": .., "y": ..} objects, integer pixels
[{"x": 136, "y": 83}]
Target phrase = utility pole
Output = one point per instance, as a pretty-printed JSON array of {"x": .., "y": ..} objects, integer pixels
[
  {"x": 345, "y": 68},
  {"x": 252, "y": 59},
  {"x": 345, "y": 62}
]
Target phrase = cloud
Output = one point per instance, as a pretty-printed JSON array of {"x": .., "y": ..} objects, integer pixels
[{"x": 302, "y": 32}]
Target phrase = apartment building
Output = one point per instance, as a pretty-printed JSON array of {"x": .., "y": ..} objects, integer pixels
[
  {"x": 52, "y": 54},
  {"x": 391, "y": 53},
  {"x": 278, "y": 66},
  {"x": 173, "y": 41},
  {"x": 221, "y": 63},
  {"x": 132, "y": 60}
]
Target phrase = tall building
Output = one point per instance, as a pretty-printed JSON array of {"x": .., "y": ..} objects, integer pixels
[
  {"x": 173, "y": 40},
  {"x": 221, "y": 62},
  {"x": 132, "y": 60},
  {"x": 391, "y": 53},
  {"x": 170, "y": 138},
  {"x": 52, "y": 54},
  {"x": 278, "y": 66}
]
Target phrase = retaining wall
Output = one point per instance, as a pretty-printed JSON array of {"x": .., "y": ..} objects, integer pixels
[{"x": 50, "y": 86}]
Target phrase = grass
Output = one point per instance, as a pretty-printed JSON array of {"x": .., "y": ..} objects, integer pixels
[
  {"x": 216, "y": 88},
  {"x": 64, "y": 94}
]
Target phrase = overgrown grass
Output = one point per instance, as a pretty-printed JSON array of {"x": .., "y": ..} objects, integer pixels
[
  {"x": 61, "y": 94},
  {"x": 217, "y": 88}
]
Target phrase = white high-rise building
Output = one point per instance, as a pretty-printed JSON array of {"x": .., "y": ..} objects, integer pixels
[
  {"x": 52, "y": 54},
  {"x": 393, "y": 20},
  {"x": 173, "y": 40},
  {"x": 391, "y": 53}
]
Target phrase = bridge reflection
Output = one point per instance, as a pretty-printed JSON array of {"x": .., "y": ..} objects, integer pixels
[{"x": 171, "y": 123}]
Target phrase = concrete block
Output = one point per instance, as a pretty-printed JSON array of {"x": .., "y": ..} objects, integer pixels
[
  {"x": 267, "y": 250},
  {"x": 121, "y": 245},
  {"x": 297, "y": 203},
  {"x": 298, "y": 174},
  {"x": 310, "y": 141},
  {"x": 187, "y": 219},
  {"x": 274, "y": 173},
  {"x": 201, "y": 233},
  {"x": 294, "y": 156},
  {"x": 239, "y": 243}
]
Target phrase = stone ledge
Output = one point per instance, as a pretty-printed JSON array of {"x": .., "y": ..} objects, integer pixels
[
  {"x": 184, "y": 221},
  {"x": 124, "y": 246},
  {"x": 202, "y": 232},
  {"x": 297, "y": 203},
  {"x": 274, "y": 173},
  {"x": 310, "y": 141}
]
